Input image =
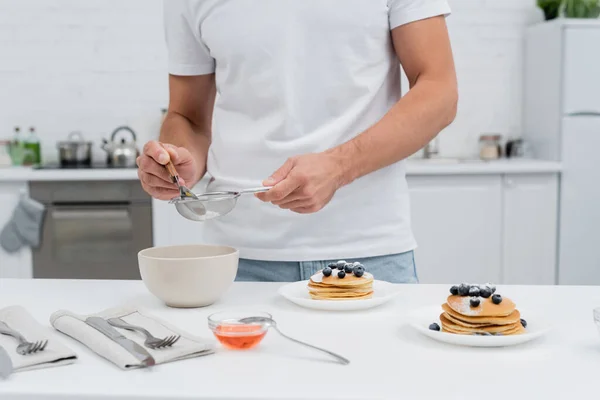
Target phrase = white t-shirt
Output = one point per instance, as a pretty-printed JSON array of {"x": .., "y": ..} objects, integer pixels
[{"x": 296, "y": 77}]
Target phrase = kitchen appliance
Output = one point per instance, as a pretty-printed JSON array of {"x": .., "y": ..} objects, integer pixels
[
  {"x": 562, "y": 123},
  {"x": 121, "y": 153},
  {"x": 75, "y": 150},
  {"x": 91, "y": 230}
]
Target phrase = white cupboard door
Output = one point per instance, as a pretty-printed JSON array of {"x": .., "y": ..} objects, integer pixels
[
  {"x": 581, "y": 81},
  {"x": 457, "y": 224},
  {"x": 579, "y": 233},
  {"x": 529, "y": 231},
  {"x": 18, "y": 264}
]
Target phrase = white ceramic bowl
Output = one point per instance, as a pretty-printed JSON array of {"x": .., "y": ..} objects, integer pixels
[{"x": 188, "y": 276}]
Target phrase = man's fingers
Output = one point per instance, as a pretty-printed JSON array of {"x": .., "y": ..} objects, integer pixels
[
  {"x": 281, "y": 173},
  {"x": 156, "y": 151},
  {"x": 280, "y": 190},
  {"x": 296, "y": 204},
  {"x": 294, "y": 196},
  {"x": 150, "y": 166},
  {"x": 154, "y": 181}
]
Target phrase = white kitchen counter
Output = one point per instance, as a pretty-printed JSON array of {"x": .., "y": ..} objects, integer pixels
[
  {"x": 25, "y": 174},
  {"x": 446, "y": 166},
  {"x": 413, "y": 167},
  {"x": 388, "y": 359}
]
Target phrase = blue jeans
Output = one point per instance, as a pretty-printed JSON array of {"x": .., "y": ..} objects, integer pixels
[{"x": 395, "y": 268}]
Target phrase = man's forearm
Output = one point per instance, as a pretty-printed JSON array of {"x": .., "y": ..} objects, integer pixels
[
  {"x": 409, "y": 125},
  {"x": 180, "y": 131}
]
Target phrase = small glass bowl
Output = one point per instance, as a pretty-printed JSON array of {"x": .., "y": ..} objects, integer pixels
[{"x": 235, "y": 335}]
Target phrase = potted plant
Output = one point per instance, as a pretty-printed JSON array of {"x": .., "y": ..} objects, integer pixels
[
  {"x": 550, "y": 8},
  {"x": 581, "y": 8}
]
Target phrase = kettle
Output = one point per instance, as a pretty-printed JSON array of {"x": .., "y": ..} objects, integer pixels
[{"x": 121, "y": 154}]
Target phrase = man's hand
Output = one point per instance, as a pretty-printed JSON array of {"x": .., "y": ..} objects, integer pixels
[
  {"x": 304, "y": 184},
  {"x": 152, "y": 172}
]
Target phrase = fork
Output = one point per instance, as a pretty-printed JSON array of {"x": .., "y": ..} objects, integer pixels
[
  {"x": 151, "y": 342},
  {"x": 25, "y": 347}
]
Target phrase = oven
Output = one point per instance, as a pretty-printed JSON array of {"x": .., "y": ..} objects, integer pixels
[{"x": 92, "y": 229}]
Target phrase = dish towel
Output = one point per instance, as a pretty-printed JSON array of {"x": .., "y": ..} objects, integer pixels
[
  {"x": 55, "y": 354},
  {"x": 24, "y": 228},
  {"x": 188, "y": 346}
]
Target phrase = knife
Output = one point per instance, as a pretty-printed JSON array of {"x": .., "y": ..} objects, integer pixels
[
  {"x": 6, "y": 366},
  {"x": 101, "y": 325}
]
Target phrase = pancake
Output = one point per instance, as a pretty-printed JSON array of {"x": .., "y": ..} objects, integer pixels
[
  {"x": 488, "y": 329},
  {"x": 359, "y": 297},
  {"x": 348, "y": 281},
  {"x": 513, "y": 317},
  {"x": 332, "y": 287},
  {"x": 518, "y": 330},
  {"x": 462, "y": 305}
]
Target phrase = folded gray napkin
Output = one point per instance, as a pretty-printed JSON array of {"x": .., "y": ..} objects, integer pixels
[
  {"x": 55, "y": 354},
  {"x": 24, "y": 228},
  {"x": 74, "y": 325}
]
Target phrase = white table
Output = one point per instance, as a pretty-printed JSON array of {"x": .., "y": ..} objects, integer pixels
[{"x": 389, "y": 360}]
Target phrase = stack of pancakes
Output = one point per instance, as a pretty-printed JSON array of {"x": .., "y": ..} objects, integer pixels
[
  {"x": 350, "y": 287},
  {"x": 485, "y": 319}
]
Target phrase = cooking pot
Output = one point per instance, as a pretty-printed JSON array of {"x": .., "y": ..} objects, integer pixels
[{"x": 75, "y": 151}]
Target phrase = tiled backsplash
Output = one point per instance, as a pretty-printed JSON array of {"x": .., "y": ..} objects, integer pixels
[{"x": 92, "y": 65}]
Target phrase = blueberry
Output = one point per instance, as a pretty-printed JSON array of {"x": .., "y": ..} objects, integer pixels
[
  {"x": 348, "y": 268},
  {"x": 332, "y": 265},
  {"x": 358, "y": 271},
  {"x": 485, "y": 292},
  {"x": 341, "y": 264},
  {"x": 341, "y": 274},
  {"x": 496, "y": 299},
  {"x": 434, "y": 327},
  {"x": 524, "y": 323},
  {"x": 475, "y": 301},
  {"x": 327, "y": 271},
  {"x": 454, "y": 290},
  {"x": 491, "y": 287},
  {"x": 474, "y": 291},
  {"x": 463, "y": 289}
]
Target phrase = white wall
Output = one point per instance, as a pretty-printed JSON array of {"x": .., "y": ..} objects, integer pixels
[{"x": 92, "y": 65}]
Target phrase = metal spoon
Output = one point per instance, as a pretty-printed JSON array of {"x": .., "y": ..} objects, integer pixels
[
  {"x": 184, "y": 192},
  {"x": 269, "y": 322}
]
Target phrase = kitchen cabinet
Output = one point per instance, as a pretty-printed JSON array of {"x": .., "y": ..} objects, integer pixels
[
  {"x": 457, "y": 223},
  {"x": 529, "y": 231},
  {"x": 13, "y": 265},
  {"x": 485, "y": 228}
]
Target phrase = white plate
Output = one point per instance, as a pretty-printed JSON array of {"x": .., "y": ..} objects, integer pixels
[
  {"x": 422, "y": 318},
  {"x": 297, "y": 292}
]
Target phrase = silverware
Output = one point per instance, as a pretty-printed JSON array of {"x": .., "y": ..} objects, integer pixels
[
  {"x": 25, "y": 347},
  {"x": 151, "y": 341},
  {"x": 184, "y": 192},
  {"x": 101, "y": 325},
  {"x": 211, "y": 205},
  {"x": 6, "y": 366},
  {"x": 269, "y": 322}
]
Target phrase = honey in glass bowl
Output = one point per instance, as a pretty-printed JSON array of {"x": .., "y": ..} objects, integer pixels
[{"x": 235, "y": 335}]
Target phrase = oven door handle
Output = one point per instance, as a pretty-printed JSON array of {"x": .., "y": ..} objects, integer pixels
[{"x": 89, "y": 213}]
